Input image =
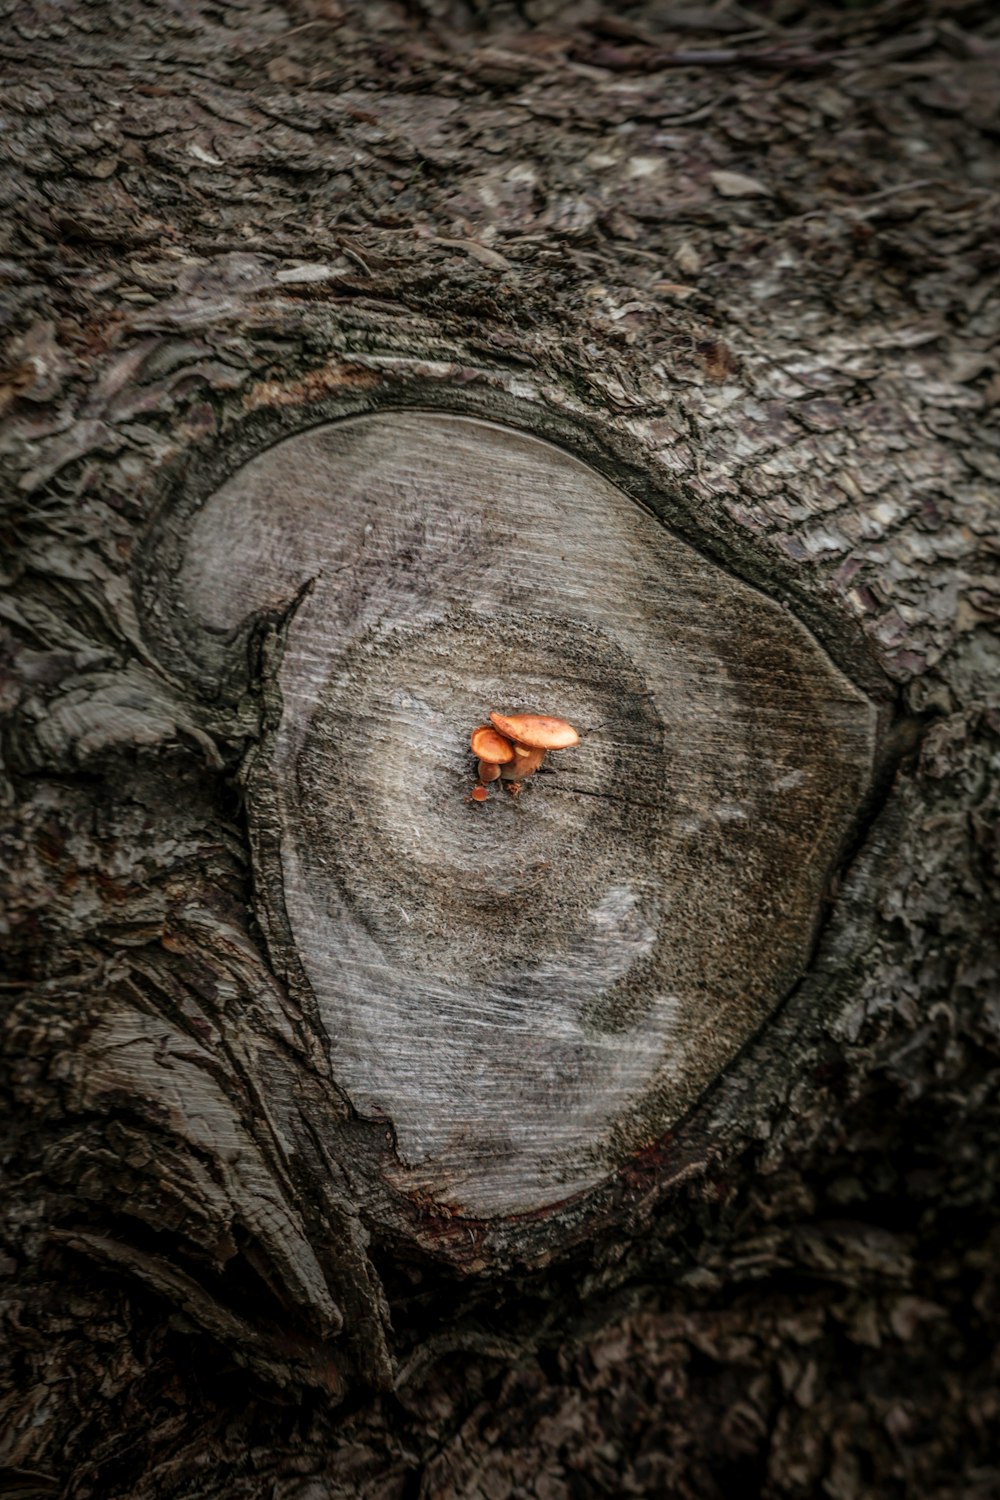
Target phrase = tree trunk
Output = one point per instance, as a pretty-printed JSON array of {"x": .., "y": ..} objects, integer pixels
[{"x": 371, "y": 369}]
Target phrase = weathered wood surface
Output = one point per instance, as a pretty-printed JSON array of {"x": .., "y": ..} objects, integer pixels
[
  {"x": 754, "y": 289},
  {"x": 531, "y": 991}
]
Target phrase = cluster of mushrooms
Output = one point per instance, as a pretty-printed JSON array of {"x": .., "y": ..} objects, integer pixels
[{"x": 512, "y": 747}]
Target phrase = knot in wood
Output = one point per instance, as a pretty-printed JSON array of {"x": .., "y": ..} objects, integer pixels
[{"x": 528, "y": 999}]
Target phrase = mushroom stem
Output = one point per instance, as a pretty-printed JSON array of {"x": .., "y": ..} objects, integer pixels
[{"x": 525, "y": 763}]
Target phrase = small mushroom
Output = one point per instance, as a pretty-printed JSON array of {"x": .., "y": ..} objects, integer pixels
[
  {"x": 514, "y": 746},
  {"x": 493, "y": 751},
  {"x": 490, "y": 746},
  {"x": 531, "y": 735}
]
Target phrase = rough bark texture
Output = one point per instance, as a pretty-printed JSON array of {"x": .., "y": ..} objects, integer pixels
[{"x": 743, "y": 264}]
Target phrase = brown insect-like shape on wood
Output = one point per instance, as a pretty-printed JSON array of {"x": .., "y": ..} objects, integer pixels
[{"x": 511, "y": 748}]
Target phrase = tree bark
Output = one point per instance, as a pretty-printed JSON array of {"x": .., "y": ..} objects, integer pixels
[{"x": 370, "y": 368}]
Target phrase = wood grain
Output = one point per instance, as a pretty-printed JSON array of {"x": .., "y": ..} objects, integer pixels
[{"x": 528, "y": 990}]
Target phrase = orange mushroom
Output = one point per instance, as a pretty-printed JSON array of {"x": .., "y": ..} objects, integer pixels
[
  {"x": 514, "y": 746},
  {"x": 493, "y": 751},
  {"x": 490, "y": 746},
  {"x": 536, "y": 731},
  {"x": 531, "y": 736}
]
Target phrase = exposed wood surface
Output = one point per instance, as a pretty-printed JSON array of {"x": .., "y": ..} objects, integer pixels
[
  {"x": 531, "y": 990},
  {"x": 741, "y": 262}
]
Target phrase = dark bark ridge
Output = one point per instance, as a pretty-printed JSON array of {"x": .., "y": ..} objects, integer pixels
[{"x": 718, "y": 287}]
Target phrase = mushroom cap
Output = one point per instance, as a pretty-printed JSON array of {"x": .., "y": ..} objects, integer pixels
[
  {"x": 490, "y": 746},
  {"x": 537, "y": 731}
]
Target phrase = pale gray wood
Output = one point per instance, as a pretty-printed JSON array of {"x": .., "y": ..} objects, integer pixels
[{"x": 532, "y": 990}]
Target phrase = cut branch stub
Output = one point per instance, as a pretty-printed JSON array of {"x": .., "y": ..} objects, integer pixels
[{"x": 533, "y": 990}]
